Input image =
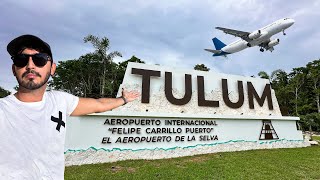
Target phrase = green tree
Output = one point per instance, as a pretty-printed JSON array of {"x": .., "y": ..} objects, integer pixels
[
  {"x": 201, "y": 67},
  {"x": 279, "y": 84},
  {"x": 89, "y": 74},
  {"x": 279, "y": 78},
  {"x": 122, "y": 66},
  {"x": 263, "y": 75},
  {"x": 3, "y": 92},
  {"x": 80, "y": 76},
  {"x": 67, "y": 77},
  {"x": 297, "y": 80},
  {"x": 314, "y": 75},
  {"x": 102, "y": 47},
  {"x": 311, "y": 121}
]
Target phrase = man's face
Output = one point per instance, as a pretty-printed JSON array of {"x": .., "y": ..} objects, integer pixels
[{"x": 30, "y": 76}]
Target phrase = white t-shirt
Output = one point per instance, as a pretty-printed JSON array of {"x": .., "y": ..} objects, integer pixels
[{"x": 32, "y": 136}]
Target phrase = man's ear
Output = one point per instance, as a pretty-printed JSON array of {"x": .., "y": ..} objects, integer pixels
[
  {"x": 13, "y": 71},
  {"x": 53, "y": 68}
]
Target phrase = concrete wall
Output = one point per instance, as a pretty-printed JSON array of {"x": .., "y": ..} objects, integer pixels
[{"x": 109, "y": 136}]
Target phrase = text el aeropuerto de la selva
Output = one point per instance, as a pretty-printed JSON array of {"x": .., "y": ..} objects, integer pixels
[{"x": 125, "y": 131}]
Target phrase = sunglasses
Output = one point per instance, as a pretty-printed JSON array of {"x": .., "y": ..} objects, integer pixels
[{"x": 40, "y": 59}]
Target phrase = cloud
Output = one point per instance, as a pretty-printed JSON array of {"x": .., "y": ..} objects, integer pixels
[{"x": 164, "y": 32}]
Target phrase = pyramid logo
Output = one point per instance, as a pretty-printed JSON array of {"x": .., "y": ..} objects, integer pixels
[{"x": 267, "y": 131}]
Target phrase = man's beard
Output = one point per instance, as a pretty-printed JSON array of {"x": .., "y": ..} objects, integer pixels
[{"x": 30, "y": 84}]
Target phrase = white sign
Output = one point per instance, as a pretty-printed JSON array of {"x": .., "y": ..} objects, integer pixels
[{"x": 182, "y": 113}]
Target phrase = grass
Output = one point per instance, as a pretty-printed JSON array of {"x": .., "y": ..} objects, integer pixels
[
  {"x": 316, "y": 138},
  {"x": 296, "y": 163}
]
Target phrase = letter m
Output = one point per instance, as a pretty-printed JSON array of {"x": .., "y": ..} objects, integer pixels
[{"x": 252, "y": 93}]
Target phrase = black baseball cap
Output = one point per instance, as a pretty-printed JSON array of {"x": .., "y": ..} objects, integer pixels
[{"x": 28, "y": 40}]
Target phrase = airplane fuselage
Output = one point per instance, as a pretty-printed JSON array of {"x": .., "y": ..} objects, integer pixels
[{"x": 266, "y": 33}]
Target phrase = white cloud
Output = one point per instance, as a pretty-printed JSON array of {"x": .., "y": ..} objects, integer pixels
[{"x": 165, "y": 32}]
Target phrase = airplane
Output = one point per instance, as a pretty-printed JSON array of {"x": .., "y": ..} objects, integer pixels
[{"x": 260, "y": 37}]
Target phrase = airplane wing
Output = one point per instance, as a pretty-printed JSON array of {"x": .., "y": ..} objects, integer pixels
[{"x": 242, "y": 34}]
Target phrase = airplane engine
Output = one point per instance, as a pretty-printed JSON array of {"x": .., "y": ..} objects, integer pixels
[
  {"x": 255, "y": 34},
  {"x": 273, "y": 42}
]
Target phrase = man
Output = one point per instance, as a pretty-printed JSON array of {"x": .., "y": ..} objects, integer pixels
[{"x": 32, "y": 121}]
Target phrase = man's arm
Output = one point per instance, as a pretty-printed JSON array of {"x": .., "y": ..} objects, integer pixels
[{"x": 90, "y": 105}]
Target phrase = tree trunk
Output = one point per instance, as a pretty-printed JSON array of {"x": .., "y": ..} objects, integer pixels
[
  {"x": 296, "y": 101},
  {"x": 317, "y": 95},
  {"x": 103, "y": 79},
  {"x": 103, "y": 82},
  {"x": 90, "y": 82},
  {"x": 318, "y": 103}
]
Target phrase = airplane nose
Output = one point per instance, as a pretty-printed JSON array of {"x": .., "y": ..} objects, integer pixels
[{"x": 291, "y": 21}]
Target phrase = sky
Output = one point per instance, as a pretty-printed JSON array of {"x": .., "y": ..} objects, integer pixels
[{"x": 169, "y": 33}]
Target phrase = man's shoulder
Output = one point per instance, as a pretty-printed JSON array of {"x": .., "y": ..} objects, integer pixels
[
  {"x": 3, "y": 103},
  {"x": 4, "y": 99},
  {"x": 58, "y": 93},
  {"x": 63, "y": 99}
]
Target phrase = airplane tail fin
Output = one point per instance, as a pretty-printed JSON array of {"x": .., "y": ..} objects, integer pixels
[{"x": 218, "y": 44}]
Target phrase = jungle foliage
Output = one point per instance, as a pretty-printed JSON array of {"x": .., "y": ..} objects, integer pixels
[{"x": 298, "y": 93}]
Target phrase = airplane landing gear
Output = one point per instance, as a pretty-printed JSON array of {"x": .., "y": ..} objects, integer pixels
[
  {"x": 261, "y": 49},
  {"x": 283, "y": 33}
]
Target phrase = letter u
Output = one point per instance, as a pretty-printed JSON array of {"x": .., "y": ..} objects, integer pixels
[{"x": 168, "y": 90}]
